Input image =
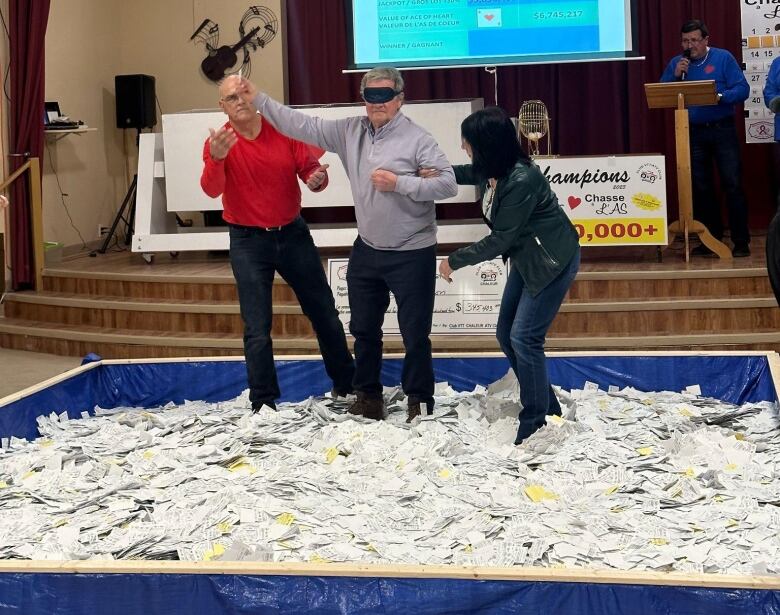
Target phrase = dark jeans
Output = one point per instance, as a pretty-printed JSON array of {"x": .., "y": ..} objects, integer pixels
[
  {"x": 254, "y": 255},
  {"x": 523, "y": 322},
  {"x": 773, "y": 254},
  {"x": 776, "y": 174},
  {"x": 411, "y": 276},
  {"x": 717, "y": 142}
]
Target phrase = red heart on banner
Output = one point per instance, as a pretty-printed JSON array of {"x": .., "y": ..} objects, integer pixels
[
  {"x": 489, "y": 17},
  {"x": 574, "y": 202}
]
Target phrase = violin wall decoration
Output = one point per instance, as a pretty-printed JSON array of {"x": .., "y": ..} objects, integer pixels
[{"x": 257, "y": 28}]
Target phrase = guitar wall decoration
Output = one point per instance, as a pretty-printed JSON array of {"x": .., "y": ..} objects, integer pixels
[{"x": 257, "y": 28}]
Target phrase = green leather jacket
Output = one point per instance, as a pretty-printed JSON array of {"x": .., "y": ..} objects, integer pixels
[{"x": 527, "y": 226}]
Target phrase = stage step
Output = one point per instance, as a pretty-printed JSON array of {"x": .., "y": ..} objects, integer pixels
[
  {"x": 669, "y": 284},
  {"x": 79, "y": 341},
  {"x": 219, "y": 288},
  {"x": 148, "y": 314},
  {"x": 114, "y": 343},
  {"x": 589, "y": 285},
  {"x": 120, "y": 307},
  {"x": 576, "y": 319}
]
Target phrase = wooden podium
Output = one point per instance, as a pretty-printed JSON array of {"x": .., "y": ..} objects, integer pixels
[{"x": 679, "y": 95}]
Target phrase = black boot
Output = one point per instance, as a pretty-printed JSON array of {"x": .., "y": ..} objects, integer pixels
[{"x": 256, "y": 405}]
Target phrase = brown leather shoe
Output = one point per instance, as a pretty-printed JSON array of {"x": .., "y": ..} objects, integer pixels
[
  {"x": 356, "y": 407},
  {"x": 369, "y": 407}
]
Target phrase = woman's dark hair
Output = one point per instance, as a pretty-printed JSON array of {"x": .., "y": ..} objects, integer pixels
[{"x": 494, "y": 144}]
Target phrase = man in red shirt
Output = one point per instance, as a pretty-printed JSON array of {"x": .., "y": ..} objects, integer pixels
[{"x": 254, "y": 168}]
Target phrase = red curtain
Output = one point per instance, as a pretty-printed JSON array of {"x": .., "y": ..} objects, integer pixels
[
  {"x": 597, "y": 108},
  {"x": 28, "y": 30}
]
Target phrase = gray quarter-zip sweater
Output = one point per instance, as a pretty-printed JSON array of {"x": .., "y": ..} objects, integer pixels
[{"x": 401, "y": 220}]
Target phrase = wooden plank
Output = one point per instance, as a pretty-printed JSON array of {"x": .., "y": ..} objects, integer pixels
[
  {"x": 518, "y": 574},
  {"x": 232, "y": 307}
]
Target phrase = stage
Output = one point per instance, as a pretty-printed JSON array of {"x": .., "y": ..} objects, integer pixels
[{"x": 118, "y": 306}]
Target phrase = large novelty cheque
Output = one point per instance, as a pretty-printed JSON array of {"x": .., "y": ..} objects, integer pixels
[{"x": 467, "y": 306}]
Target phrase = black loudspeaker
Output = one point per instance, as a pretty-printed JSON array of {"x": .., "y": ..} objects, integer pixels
[{"x": 135, "y": 100}]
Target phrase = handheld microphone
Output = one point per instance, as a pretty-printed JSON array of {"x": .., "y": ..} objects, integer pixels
[{"x": 687, "y": 56}]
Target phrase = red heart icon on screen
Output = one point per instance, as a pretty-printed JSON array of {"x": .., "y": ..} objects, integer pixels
[
  {"x": 574, "y": 202},
  {"x": 489, "y": 17}
]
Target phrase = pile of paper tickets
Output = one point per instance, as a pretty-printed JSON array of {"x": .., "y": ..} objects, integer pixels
[{"x": 626, "y": 480}]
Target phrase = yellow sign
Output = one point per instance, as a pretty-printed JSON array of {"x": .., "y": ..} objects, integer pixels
[
  {"x": 602, "y": 232},
  {"x": 613, "y": 200}
]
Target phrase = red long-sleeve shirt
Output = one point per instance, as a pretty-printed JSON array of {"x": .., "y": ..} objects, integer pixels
[{"x": 257, "y": 179}]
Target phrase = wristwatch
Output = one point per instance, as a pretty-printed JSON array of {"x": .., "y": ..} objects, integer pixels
[{"x": 720, "y": 96}]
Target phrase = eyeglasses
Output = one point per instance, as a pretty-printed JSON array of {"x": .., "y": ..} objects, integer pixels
[
  {"x": 232, "y": 98},
  {"x": 692, "y": 41}
]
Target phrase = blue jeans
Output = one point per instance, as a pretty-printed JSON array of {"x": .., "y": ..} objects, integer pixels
[
  {"x": 255, "y": 254},
  {"x": 411, "y": 276},
  {"x": 718, "y": 142},
  {"x": 523, "y": 322}
]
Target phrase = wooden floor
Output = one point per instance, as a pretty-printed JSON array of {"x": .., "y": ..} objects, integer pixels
[{"x": 119, "y": 306}]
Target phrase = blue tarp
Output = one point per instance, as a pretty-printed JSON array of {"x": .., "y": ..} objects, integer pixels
[
  {"x": 737, "y": 379},
  {"x": 152, "y": 594}
]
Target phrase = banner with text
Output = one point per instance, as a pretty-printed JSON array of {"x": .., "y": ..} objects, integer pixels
[
  {"x": 467, "y": 306},
  {"x": 612, "y": 200}
]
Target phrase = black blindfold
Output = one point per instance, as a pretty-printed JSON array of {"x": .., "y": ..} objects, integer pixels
[{"x": 379, "y": 95}]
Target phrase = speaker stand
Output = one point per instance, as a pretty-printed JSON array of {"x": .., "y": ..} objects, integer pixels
[{"x": 128, "y": 219}]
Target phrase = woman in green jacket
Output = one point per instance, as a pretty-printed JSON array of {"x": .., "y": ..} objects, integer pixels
[{"x": 527, "y": 226}]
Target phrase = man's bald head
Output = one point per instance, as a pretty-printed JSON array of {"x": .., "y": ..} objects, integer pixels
[{"x": 230, "y": 101}]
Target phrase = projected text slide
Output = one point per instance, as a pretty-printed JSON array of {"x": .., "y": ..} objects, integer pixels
[{"x": 409, "y": 30}]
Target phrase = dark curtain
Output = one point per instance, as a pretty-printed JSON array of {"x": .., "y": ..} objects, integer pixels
[
  {"x": 597, "y": 108},
  {"x": 28, "y": 30}
]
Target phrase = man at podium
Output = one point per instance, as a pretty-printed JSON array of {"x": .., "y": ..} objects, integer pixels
[{"x": 713, "y": 135}]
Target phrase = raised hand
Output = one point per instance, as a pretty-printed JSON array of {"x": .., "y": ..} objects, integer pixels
[
  {"x": 682, "y": 67},
  {"x": 220, "y": 142},
  {"x": 247, "y": 90}
]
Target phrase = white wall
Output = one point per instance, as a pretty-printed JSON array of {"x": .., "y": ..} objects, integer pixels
[{"x": 82, "y": 57}]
